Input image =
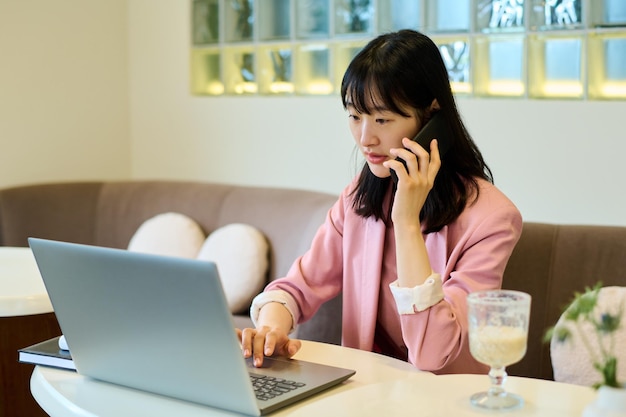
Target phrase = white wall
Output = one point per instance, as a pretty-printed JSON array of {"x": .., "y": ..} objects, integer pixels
[
  {"x": 99, "y": 90},
  {"x": 63, "y": 91},
  {"x": 560, "y": 161}
]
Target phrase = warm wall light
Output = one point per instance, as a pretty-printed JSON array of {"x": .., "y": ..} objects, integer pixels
[
  {"x": 505, "y": 88},
  {"x": 281, "y": 88},
  {"x": 562, "y": 89},
  {"x": 319, "y": 87},
  {"x": 461, "y": 87},
  {"x": 246, "y": 88},
  {"x": 215, "y": 88},
  {"x": 614, "y": 90}
]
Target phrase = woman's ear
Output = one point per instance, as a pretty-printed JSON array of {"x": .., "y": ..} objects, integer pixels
[{"x": 434, "y": 105}]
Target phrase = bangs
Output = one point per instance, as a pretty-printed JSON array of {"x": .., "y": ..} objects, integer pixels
[{"x": 369, "y": 90}]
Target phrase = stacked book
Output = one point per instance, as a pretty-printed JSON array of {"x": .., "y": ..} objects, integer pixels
[{"x": 47, "y": 353}]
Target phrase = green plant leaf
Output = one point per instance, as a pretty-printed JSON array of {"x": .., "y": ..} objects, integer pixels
[
  {"x": 609, "y": 372},
  {"x": 562, "y": 334},
  {"x": 583, "y": 303},
  {"x": 608, "y": 323},
  {"x": 547, "y": 336}
]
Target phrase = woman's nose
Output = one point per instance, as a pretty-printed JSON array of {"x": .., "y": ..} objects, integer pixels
[{"x": 368, "y": 135}]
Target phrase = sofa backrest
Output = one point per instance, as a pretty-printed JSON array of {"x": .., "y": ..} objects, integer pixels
[
  {"x": 552, "y": 262},
  {"x": 108, "y": 213},
  {"x": 56, "y": 211}
]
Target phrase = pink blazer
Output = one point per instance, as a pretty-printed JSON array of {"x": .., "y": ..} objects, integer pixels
[{"x": 346, "y": 255}]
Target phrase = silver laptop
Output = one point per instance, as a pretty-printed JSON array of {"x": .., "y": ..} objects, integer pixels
[{"x": 162, "y": 325}]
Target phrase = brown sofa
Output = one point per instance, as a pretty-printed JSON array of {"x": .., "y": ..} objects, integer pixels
[{"x": 550, "y": 262}]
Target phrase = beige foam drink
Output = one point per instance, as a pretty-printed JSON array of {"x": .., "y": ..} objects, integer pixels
[{"x": 498, "y": 346}]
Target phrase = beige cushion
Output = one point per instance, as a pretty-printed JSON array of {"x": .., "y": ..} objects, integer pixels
[
  {"x": 240, "y": 252},
  {"x": 571, "y": 362},
  {"x": 171, "y": 234}
]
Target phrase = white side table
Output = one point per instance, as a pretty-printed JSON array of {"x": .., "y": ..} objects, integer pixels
[
  {"x": 22, "y": 292},
  {"x": 26, "y": 317}
]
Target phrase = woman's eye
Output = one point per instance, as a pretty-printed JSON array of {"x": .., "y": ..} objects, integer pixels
[
  {"x": 381, "y": 121},
  {"x": 353, "y": 117}
]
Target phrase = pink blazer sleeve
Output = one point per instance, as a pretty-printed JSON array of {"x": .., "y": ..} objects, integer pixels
[
  {"x": 316, "y": 276},
  {"x": 471, "y": 255}
]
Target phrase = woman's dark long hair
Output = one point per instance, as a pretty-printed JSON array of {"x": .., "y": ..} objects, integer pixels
[{"x": 406, "y": 68}]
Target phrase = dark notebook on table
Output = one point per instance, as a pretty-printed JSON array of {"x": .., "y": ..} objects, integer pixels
[
  {"x": 47, "y": 353},
  {"x": 162, "y": 325}
]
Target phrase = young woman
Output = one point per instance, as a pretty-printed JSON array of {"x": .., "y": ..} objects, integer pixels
[{"x": 406, "y": 253}]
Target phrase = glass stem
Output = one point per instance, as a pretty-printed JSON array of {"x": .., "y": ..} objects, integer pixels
[{"x": 498, "y": 377}]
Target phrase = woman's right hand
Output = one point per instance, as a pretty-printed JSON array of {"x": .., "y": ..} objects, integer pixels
[
  {"x": 414, "y": 186},
  {"x": 266, "y": 341}
]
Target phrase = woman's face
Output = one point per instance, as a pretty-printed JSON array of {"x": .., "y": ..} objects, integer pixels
[{"x": 376, "y": 133}]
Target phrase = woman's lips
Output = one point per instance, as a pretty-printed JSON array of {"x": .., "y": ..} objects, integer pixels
[{"x": 375, "y": 158}]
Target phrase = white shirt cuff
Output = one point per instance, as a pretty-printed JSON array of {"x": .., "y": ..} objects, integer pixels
[
  {"x": 274, "y": 296},
  {"x": 418, "y": 298}
]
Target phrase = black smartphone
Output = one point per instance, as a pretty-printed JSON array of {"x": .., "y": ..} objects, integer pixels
[{"x": 436, "y": 128}]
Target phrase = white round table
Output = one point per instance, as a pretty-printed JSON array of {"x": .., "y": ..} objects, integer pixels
[
  {"x": 381, "y": 387},
  {"x": 67, "y": 394},
  {"x": 427, "y": 395}
]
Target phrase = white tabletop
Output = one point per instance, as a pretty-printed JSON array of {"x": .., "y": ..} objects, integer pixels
[
  {"x": 22, "y": 291},
  {"x": 381, "y": 386},
  {"x": 66, "y": 394},
  {"x": 427, "y": 395}
]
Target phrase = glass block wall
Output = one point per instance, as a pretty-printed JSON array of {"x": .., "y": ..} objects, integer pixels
[{"x": 572, "y": 49}]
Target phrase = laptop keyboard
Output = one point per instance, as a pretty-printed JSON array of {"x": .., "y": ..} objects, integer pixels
[{"x": 268, "y": 387}]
